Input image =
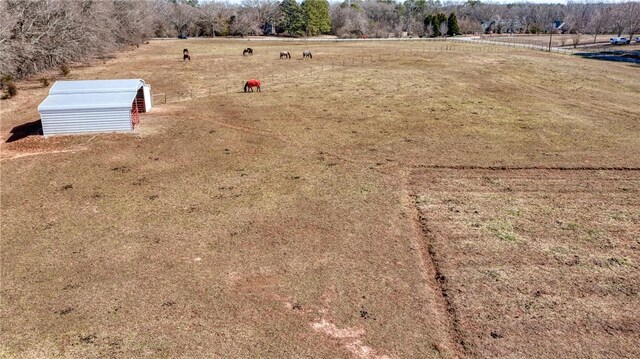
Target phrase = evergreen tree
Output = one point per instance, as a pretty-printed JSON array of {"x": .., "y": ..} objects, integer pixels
[
  {"x": 442, "y": 17},
  {"x": 292, "y": 17},
  {"x": 428, "y": 21},
  {"x": 316, "y": 16},
  {"x": 436, "y": 21},
  {"x": 452, "y": 22}
]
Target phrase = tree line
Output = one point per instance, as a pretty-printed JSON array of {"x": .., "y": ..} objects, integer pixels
[{"x": 36, "y": 35}]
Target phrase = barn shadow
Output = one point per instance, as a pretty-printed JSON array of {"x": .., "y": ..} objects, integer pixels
[{"x": 25, "y": 130}]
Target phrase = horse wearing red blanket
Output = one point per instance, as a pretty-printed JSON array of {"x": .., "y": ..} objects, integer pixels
[{"x": 249, "y": 85}]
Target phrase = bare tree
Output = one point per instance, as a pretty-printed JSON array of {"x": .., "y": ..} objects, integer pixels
[
  {"x": 444, "y": 28},
  {"x": 383, "y": 17},
  {"x": 575, "y": 39},
  {"x": 468, "y": 26},
  {"x": 7, "y": 56},
  {"x": 347, "y": 21},
  {"x": 632, "y": 10},
  {"x": 577, "y": 20},
  {"x": 48, "y": 33},
  {"x": 181, "y": 17},
  {"x": 262, "y": 12},
  {"x": 563, "y": 39},
  {"x": 428, "y": 30},
  {"x": 598, "y": 21},
  {"x": 415, "y": 26},
  {"x": 39, "y": 34},
  {"x": 243, "y": 23},
  {"x": 618, "y": 20}
]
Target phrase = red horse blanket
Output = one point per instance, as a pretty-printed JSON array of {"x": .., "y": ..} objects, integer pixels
[{"x": 251, "y": 84}]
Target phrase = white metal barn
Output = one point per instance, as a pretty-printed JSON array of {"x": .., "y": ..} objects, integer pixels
[{"x": 94, "y": 106}]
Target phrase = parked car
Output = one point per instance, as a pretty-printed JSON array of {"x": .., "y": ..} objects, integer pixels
[
  {"x": 638, "y": 40},
  {"x": 182, "y": 36},
  {"x": 619, "y": 41}
]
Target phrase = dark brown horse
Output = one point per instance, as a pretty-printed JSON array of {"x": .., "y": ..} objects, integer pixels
[
  {"x": 247, "y": 51},
  {"x": 185, "y": 55}
]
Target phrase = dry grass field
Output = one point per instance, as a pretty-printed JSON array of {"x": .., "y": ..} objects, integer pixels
[{"x": 383, "y": 200}]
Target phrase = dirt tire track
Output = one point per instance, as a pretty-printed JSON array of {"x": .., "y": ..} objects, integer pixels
[
  {"x": 433, "y": 277},
  {"x": 431, "y": 255}
]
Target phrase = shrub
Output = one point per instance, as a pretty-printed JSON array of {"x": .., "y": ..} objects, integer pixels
[
  {"x": 44, "y": 81},
  {"x": 64, "y": 69},
  {"x": 11, "y": 89},
  {"x": 4, "y": 80}
]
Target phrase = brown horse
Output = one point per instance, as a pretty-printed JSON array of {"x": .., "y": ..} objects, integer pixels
[
  {"x": 185, "y": 55},
  {"x": 285, "y": 55},
  {"x": 249, "y": 85}
]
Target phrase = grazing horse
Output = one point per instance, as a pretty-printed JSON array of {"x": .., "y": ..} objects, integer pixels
[
  {"x": 249, "y": 85},
  {"x": 185, "y": 55},
  {"x": 307, "y": 54},
  {"x": 285, "y": 54},
  {"x": 247, "y": 51}
]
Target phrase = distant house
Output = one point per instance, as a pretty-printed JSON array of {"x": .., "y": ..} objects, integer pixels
[
  {"x": 558, "y": 26},
  {"x": 269, "y": 29},
  {"x": 487, "y": 26},
  {"x": 517, "y": 27}
]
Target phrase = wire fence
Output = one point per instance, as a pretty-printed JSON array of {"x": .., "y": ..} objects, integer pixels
[
  {"x": 519, "y": 43},
  {"x": 562, "y": 46}
]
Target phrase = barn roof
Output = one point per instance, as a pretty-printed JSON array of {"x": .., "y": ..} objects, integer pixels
[
  {"x": 96, "y": 86},
  {"x": 88, "y": 94}
]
